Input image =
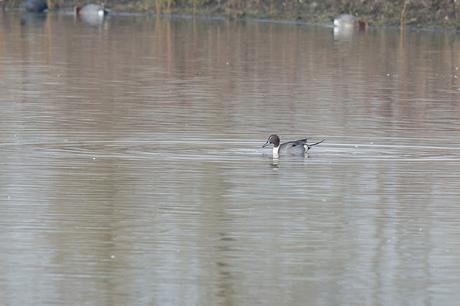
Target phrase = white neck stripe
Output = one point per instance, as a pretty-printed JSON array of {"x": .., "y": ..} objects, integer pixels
[{"x": 276, "y": 151}]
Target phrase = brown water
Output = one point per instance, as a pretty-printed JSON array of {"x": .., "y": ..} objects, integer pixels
[{"x": 132, "y": 173}]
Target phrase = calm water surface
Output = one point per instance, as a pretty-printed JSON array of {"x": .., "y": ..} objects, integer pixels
[{"x": 132, "y": 173}]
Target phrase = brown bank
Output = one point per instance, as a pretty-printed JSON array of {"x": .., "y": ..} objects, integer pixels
[{"x": 420, "y": 13}]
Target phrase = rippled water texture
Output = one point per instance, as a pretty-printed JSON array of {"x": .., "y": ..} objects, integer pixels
[{"x": 132, "y": 173}]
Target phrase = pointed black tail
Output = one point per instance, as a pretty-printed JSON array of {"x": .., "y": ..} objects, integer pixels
[{"x": 313, "y": 144}]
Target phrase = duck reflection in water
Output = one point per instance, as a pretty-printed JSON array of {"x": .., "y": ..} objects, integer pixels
[
  {"x": 33, "y": 19},
  {"x": 33, "y": 11}
]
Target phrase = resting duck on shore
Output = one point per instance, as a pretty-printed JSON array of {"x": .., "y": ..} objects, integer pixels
[
  {"x": 34, "y": 6},
  {"x": 90, "y": 9},
  {"x": 346, "y": 21}
]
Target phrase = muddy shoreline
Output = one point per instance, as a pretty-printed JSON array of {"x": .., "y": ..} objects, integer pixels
[{"x": 437, "y": 14}]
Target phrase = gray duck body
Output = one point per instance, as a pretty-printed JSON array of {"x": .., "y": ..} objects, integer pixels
[{"x": 295, "y": 147}]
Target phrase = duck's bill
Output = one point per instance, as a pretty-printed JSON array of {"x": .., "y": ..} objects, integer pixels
[{"x": 266, "y": 144}]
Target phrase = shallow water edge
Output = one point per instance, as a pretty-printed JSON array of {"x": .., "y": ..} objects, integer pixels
[{"x": 441, "y": 14}]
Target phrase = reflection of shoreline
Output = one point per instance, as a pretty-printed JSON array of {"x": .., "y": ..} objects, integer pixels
[{"x": 132, "y": 175}]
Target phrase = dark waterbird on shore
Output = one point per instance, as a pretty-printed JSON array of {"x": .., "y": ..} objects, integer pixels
[
  {"x": 296, "y": 147},
  {"x": 91, "y": 10},
  {"x": 34, "y": 6}
]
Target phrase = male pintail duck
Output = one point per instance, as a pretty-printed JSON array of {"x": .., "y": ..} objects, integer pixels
[{"x": 296, "y": 147}]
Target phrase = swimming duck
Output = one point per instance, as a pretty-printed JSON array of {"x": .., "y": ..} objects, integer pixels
[
  {"x": 346, "y": 21},
  {"x": 34, "y": 6},
  {"x": 296, "y": 147},
  {"x": 91, "y": 9}
]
